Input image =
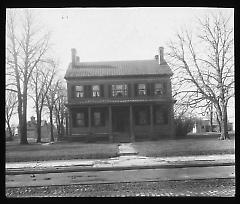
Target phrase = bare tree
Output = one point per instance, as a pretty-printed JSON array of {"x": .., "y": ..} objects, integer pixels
[
  {"x": 10, "y": 106},
  {"x": 42, "y": 78},
  {"x": 26, "y": 47},
  {"x": 51, "y": 99},
  {"x": 206, "y": 64},
  {"x": 59, "y": 109}
]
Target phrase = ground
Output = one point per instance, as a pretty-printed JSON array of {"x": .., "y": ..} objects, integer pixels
[
  {"x": 59, "y": 151},
  {"x": 208, "y": 187},
  {"x": 184, "y": 147},
  {"x": 77, "y": 150}
]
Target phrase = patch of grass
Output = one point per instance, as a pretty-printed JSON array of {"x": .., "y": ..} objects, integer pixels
[
  {"x": 59, "y": 151},
  {"x": 185, "y": 147}
]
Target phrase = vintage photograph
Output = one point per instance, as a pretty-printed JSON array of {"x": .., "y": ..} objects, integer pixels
[{"x": 119, "y": 102}]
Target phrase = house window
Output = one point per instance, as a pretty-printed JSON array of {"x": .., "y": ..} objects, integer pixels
[
  {"x": 80, "y": 120},
  {"x": 158, "y": 89},
  {"x": 142, "y": 91},
  {"x": 96, "y": 91},
  {"x": 119, "y": 90},
  {"x": 79, "y": 91},
  {"x": 161, "y": 117},
  {"x": 97, "y": 118}
]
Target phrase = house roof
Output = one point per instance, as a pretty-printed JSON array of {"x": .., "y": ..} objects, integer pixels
[{"x": 117, "y": 68}]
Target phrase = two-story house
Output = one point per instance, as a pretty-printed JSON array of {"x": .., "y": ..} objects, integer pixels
[{"x": 120, "y": 100}]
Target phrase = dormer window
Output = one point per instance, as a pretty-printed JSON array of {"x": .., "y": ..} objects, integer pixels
[
  {"x": 142, "y": 91},
  {"x": 119, "y": 90},
  {"x": 96, "y": 91},
  {"x": 79, "y": 91}
]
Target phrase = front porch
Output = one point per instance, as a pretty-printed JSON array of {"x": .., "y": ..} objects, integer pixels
[{"x": 120, "y": 123}]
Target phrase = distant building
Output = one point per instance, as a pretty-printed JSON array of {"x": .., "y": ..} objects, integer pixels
[
  {"x": 203, "y": 125},
  {"x": 45, "y": 129}
]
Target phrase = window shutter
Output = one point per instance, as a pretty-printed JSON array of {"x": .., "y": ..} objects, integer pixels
[
  {"x": 102, "y": 118},
  {"x": 129, "y": 90},
  {"x": 86, "y": 118},
  {"x": 165, "y": 116},
  {"x": 73, "y": 91},
  {"x": 87, "y": 91},
  {"x": 110, "y": 90},
  {"x": 135, "y": 89},
  {"x": 74, "y": 119},
  {"x": 92, "y": 118},
  {"x": 148, "y": 89},
  {"x": 151, "y": 89},
  {"x": 164, "y": 88},
  {"x": 102, "y": 90}
]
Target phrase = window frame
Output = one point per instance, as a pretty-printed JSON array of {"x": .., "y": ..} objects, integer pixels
[
  {"x": 164, "y": 114},
  {"x": 116, "y": 91},
  {"x": 79, "y": 94},
  {"x": 161, "y": 89},
  {"x": 96, "y": 93},
  {"x": 83, "y": 118},
  {"x": 139, "y": 90}
]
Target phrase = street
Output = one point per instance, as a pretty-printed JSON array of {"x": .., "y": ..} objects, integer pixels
[
  {"x": 192, "y": 181},
  {"x": 202, "y": 187}
]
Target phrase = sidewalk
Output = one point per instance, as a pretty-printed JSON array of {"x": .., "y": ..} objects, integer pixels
[{"x": 128, "y": 159}]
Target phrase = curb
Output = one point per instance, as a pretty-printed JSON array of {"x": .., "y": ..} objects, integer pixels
[{"x": 84, "y": 169}]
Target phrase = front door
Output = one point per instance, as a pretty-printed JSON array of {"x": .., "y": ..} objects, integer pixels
[{"x": 120, "y": 119}]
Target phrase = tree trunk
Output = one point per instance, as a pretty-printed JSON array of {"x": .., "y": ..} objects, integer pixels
[
  {"x": 211, "y": 119},
  {"x": 51, "y": 124},
  {"x": 224, "y": 124},
  {"x": 38, "y": 128},
  {"x": 219, "y": 123},
  {"x": 23, "y": 129},
  {"x": 10, "y": 131},
  {"x": 66, "y": 118}
]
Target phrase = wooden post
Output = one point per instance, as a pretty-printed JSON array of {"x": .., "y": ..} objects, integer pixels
[
  {"x": 132, "y": 136},
  {"x": 89, "y": 122},
  {"x": 151, "y": 122},
  {"x": 110, "y": 123}
]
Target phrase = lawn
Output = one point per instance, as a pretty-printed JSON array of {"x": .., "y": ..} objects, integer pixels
[
  {"x": 184, "y": 147},
  {"x": 76, "y": 150},
  {"x": 59, "y": 151}
]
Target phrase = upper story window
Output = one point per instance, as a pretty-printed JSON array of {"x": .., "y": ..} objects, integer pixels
[
  {"x": 158, "y": 89},
  {"x": 119, "y": 90},
  {"x": 79, "y": 91},
  {"x": 96, "y": 91},
  {"x": 142, "y": 90}
]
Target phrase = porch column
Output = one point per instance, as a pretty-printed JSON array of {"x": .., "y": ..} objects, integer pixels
[
  {"x": 89, "y": 121},
  {"x": 110, "y": 123},
  {"x": 132, "y": 136},
  {"x": 151, "y": 121}
]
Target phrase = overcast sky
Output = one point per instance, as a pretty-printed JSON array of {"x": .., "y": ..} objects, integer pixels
[{"x": 104, "y": 34}]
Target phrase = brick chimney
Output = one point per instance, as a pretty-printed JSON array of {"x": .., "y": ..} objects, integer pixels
[
  {"x": 77, "y": 59},
  {"x": 74, "y": 52},
  {"x": 161, "y": 59}
]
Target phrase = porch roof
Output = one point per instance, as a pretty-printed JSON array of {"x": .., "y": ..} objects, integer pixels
[{"x": 119, "y": 101}]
